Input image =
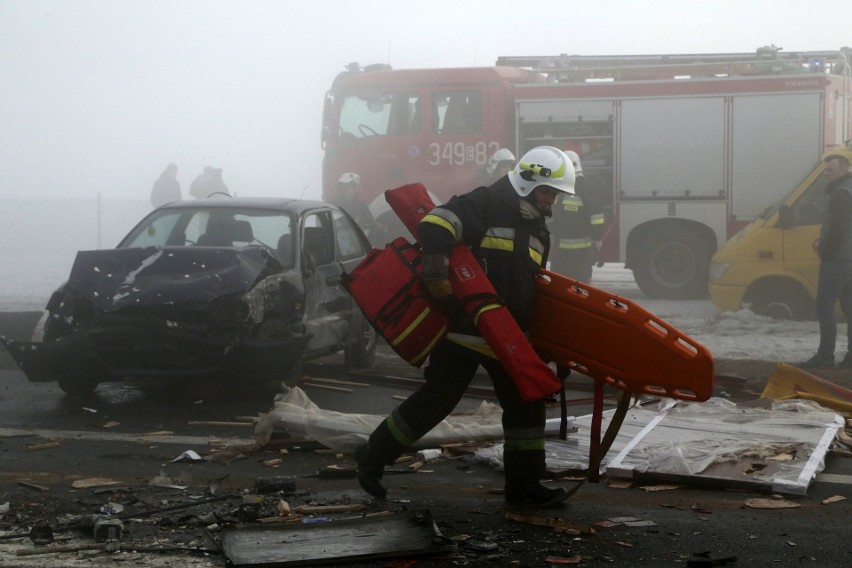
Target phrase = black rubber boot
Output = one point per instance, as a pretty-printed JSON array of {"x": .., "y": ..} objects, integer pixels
[
  {"x": 370, "y": 472},
  {"x": 532, "y": 493},
  {"x": 524, "y": 470},
  {"x": 382, "y": 449}
]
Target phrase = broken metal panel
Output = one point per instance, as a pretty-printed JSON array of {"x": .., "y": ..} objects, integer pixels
[
  {"x": 778, "y": 449},
  {"x": 412, "y": 533}
]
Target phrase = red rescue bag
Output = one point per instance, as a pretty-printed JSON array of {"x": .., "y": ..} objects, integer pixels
[{"x": 388, "y": 287}]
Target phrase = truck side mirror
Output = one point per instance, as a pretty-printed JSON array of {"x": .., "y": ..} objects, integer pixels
[{"x": 785, "y": 217}]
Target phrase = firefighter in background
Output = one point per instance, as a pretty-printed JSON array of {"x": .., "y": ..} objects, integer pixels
[
  {"x": 500, "y": 163},
  {"x": 504, "y": 224},
  {"x": 577, "y": 228}
]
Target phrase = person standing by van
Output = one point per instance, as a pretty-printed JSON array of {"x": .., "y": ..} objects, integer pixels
[{"x": 835, "y": 262}]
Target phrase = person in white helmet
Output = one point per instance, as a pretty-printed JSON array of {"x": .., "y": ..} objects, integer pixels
[
  {"x": 499, "y": 164},
  {"x": 577, "y": 228},
  {"x": 504, "y": 224}
]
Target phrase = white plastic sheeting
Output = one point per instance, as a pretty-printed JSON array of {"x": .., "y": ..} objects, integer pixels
[
  {"x": 779, "y": 448},
  {"x": 295, "y": 414}
]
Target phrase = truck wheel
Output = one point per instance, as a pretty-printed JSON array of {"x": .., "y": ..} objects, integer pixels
[
  {"x": 78, "y": 385},
  {"x": 362, "y": 353},
  {"x": 672, "y": 264},
  {"x": 782, "y": 300}
]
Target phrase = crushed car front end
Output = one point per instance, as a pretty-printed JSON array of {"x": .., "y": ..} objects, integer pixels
[{"x": 169, "y": 311}]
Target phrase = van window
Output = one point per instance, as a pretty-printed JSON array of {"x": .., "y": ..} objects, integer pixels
[{"x": 808, "y": 208}]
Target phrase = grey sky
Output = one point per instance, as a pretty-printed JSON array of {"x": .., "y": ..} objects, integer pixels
[{"x": 99, "y": 95}]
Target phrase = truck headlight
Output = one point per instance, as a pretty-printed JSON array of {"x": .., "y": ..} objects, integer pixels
[{"x": 718, "y": 269}]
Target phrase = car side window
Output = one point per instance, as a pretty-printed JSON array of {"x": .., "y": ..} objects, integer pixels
[
  {"x": 317, "y": 240},
  {"x": 348, "y": 244}
]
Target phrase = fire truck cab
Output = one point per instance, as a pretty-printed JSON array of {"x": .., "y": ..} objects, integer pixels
[{"x": 687, "y": 149}]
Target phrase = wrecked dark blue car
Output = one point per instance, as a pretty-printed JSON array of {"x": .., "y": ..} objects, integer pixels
[{"x": 246, "y": 287}]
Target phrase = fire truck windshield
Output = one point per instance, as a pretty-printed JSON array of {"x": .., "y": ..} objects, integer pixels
[{"x": 378, "y": 115}]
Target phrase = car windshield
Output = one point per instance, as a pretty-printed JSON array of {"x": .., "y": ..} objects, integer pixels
[{"x": 216, "y": 227}]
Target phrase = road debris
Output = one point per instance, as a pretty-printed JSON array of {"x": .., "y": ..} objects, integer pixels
[
  {"x": 559, "y": 525},
  {"x": 89, "y": 482},
  {"x": 771, "y": 504},
  {"x": 407, "y": 534}
]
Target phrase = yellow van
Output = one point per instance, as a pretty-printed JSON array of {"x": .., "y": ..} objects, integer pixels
[{"x": 771, "y": 265}]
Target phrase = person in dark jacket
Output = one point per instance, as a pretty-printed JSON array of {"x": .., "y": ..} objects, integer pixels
[
  {"x": 835, "y": 267},
  {"x": 167, "y": 188},
  {"x": 504, "y": 224},
  {"x": 209, "y": 183},
  {"x": 577, "y": 227}
]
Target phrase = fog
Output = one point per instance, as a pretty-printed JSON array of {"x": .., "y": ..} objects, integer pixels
[{"x": 98, "y": 96}]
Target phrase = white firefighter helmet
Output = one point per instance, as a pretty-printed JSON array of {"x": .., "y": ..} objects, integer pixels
[
  {"x": 501, "y": 156},
  {"x": 575, "y": 159},
  {"x": 545, "y": 166},
  {"x": 350, "y": 178}
]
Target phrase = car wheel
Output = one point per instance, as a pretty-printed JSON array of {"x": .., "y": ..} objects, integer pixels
[
  {"x": 294, "y": 376},
  {"x": 779, "y": 299},
  {"x": 78, "y": 385},
  {"x": 672, "y": 264},
  {"x": 362, "y": 353},
  {"x": 276, "y": 328}
]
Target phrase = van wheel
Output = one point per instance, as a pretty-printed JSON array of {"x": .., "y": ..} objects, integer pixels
[
  {"x": 672, "y": 264},
  {"x": 362, "y": 353},
  {"x": 784, "y": 300}
]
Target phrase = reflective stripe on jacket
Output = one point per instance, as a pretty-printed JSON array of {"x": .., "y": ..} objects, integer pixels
[{"x": 510, "y": 248}]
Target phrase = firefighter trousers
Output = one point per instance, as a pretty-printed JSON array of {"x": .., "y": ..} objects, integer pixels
[
  {"x": 449, "y": 372},
  {"x": 573, "y": 263}
]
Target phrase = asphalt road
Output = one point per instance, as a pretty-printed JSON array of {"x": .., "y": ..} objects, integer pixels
[{"x": 130, "y": 433}]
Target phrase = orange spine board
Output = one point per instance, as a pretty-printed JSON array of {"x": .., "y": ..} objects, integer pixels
[{"x": 617, "y": 341}]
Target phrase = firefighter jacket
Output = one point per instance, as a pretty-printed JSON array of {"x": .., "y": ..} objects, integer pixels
[
  {"x": 507, "y": 235},
  {"x": 835, "y": 232},
  {"x": 578, "y": 219}
]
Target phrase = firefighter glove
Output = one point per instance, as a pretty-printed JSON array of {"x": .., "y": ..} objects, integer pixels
[
  {"x": 435, "y": 267},
  {"x": 441, "y": 290}
]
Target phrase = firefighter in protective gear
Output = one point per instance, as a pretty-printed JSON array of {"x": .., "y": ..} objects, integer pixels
[
  {"x": 577, "y": 227},
  {"x": 504, "y": 224},
  {"x": 500, "y": 163}
]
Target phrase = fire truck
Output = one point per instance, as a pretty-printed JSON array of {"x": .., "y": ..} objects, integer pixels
[{"x": 686, "y": 149}]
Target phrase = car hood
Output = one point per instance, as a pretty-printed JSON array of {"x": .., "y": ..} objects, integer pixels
[{"x": 116, "y": 279}]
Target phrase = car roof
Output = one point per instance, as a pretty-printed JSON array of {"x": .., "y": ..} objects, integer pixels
[{"x": 277, "y": 203}]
